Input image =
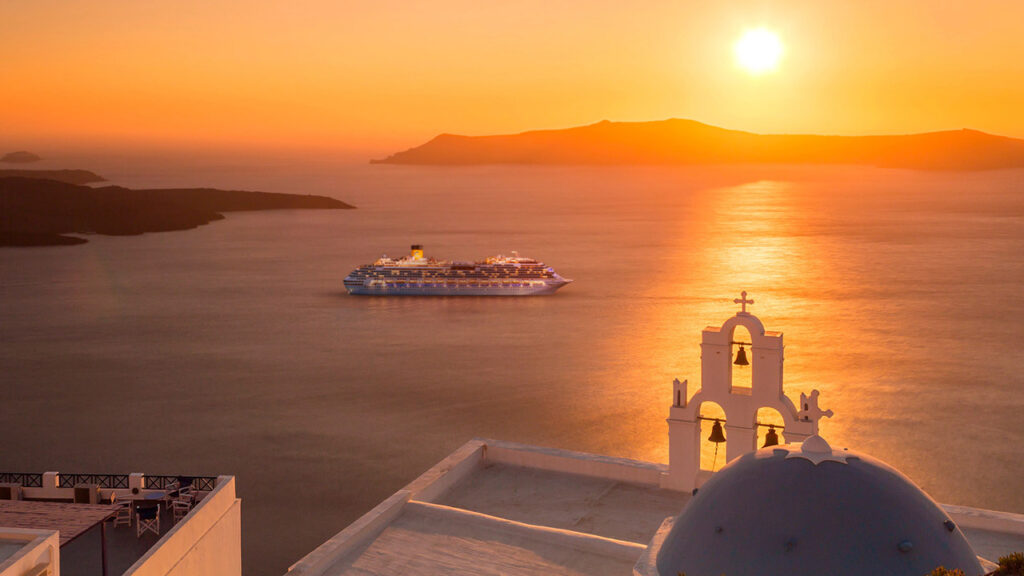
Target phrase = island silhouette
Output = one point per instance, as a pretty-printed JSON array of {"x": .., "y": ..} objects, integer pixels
[
  {"x": 42, "y": 211},
  {"x": 20, "y": 157},
  {"x": 679, "y": 141},
  {"x": 69, "y": 176}
]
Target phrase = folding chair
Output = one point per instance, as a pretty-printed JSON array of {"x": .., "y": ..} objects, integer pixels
[
  {"x": 147, "y": 519},
  {"x": 124, "y": 512},
  {"x": 186, "y": 494},
  {"x": 180, "y": 508}
]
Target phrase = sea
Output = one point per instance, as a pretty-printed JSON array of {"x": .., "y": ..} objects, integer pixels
[{"x": 233, "y": 348}]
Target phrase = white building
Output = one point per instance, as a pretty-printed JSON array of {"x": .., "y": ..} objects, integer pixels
[
  {"x": 494, "y": 507},
  {"x": 53, "y": 524}
]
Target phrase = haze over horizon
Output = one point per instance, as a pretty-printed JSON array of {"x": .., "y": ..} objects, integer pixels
[{"x": 367, "y": 78}]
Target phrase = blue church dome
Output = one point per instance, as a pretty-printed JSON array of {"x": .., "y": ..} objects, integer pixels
[{"x": 805, "y": 509}]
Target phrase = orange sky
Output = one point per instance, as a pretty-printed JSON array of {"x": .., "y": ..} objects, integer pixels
[{"x": 381, "y": 76}]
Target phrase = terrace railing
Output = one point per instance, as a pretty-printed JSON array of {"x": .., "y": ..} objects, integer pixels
[
  {"x": 200, "y": 483},
  {"x": 108, "y": 481},
  {"x": 103, "y": 480},
  {"x": 27, "y": 480}
]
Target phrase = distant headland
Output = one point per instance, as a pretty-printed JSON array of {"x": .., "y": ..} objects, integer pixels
[
  {"x": 20, "y": 157},
  {"x": 69, "y": 176},
  {"x": 42, "y": 211},
  {"x": 678, "y": 141}
]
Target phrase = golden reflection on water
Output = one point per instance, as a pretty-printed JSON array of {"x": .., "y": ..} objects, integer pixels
[{"x": 753, "y": 238}]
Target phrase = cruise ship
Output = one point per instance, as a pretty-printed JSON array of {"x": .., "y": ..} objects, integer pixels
[{"x": 415, "y": 275}]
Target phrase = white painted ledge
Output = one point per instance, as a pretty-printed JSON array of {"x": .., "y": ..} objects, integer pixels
[
  {"x": 363, "y": 530},
  {"x": 578, "y": 541},
  {"x": 567, "y": 461},
  {"x": 441, "y": 477},
  {"x": 992, "y": 520},
  {"x": 39, "y": 552}
]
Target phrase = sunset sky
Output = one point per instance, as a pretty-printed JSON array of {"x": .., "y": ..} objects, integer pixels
[{"x": 379, "y": 75}]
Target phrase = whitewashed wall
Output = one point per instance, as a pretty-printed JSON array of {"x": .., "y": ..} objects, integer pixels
[
  {"x": 207, "y": 543},
  {"x": 39, "y": 555}
]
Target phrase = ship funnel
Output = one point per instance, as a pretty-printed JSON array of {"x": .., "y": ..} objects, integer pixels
[{"x": 417, "y": 251}]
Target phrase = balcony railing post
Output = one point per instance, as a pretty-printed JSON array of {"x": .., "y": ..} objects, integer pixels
[
  {"x": 136, "y": 482},
  {"x": 51, "y": 479}
]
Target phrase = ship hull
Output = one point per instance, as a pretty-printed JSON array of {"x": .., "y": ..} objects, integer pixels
[
  {"x": 415, "y": 275},
  {"x": 428, "y": 290}
]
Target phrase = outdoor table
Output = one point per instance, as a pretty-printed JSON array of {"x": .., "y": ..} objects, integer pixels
[{"x": 157, "y": 497}]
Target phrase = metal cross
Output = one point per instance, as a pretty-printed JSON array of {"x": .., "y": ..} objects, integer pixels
[{"x": 742, "y": 301}]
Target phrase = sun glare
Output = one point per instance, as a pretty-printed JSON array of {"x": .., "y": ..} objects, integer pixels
[{"x": 758, "y": 51}]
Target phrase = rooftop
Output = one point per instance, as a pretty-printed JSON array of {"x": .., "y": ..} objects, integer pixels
[
  {"x": 70, "y": 520},
  {"x": 587, "y": 504},
  {"x": 501, "y": 508},
  {"x": 496, "y": 507},
  {"x": 420, "y": 541}
]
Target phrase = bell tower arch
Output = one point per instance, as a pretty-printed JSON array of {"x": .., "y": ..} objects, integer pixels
[{"x": 740, "y": 404}]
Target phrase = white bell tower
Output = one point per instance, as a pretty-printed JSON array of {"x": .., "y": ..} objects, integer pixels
[{"x": 739, "y": 403}]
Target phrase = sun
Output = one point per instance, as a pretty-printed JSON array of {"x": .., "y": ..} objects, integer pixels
[{"x": 758, "y": 51}]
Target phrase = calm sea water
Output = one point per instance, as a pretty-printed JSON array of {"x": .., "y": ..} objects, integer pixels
[{"x": 233, "y": 349}]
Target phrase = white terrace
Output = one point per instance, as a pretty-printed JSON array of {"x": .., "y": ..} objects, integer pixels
[
  {"x": 86, "y": 524},
  {"x": 494, "y": 507},
  {"x": 500, "y": 508}
]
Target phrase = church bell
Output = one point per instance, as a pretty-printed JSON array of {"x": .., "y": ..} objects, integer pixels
[
  {"x": 771, "y": 438},
  {"x": 717, "y": 435},
  {"x": 741, "y": 358}
]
